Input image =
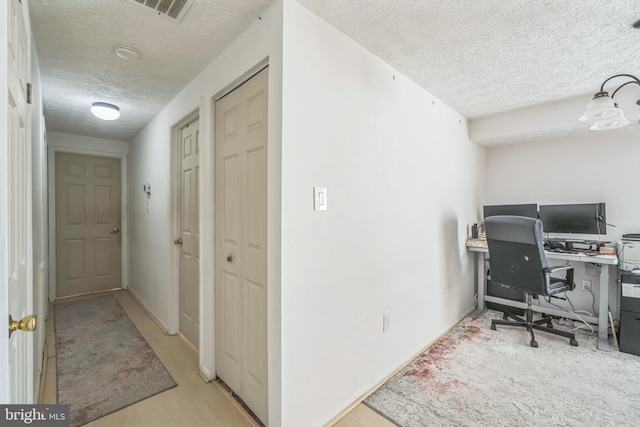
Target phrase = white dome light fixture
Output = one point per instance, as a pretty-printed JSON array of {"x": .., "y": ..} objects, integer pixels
[
  {"x": 105, "y": 111},
  {"x": 603, "y": 112},
  {"x": 127, "y": 53}
]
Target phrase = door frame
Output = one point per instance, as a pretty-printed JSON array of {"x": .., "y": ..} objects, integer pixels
[
  {"x": 124, "y": 228},
  {"x": 173, "y": 326}
]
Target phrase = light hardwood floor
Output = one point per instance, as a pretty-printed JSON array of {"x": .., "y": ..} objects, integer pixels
[
  {"x": 193, "y": 402},
  {"x": 363, "y": 416}
]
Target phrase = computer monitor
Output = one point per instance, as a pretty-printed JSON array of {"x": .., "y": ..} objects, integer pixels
[
  {"x": 584, "y": 218},
  {"x": 529, "y": 210}
]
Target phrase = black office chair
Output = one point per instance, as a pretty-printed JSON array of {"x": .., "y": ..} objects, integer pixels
[{"x": 517, "y": 260}]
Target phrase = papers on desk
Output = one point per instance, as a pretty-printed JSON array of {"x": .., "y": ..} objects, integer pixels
[{"x": 476, "y": 243}]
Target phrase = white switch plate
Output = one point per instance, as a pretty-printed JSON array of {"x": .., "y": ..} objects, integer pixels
[
  {"x": 386, "y": 322},
  {"x": 320, "y": 198}
]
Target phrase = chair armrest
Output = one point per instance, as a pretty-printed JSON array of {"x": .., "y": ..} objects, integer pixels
[
  {"x": 557, "y": 268},
  {"x": 569, "y": 279}
]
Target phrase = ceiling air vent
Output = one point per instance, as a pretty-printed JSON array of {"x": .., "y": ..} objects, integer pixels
[{"x": 170, "y": 9}]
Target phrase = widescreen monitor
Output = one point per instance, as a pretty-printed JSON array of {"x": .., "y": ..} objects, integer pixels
[
  {"x": 529, "y": 210},
  {"x": 583, "y": 218}
]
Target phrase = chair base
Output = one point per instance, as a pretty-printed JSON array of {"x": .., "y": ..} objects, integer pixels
[{"x": 531, "y": 324}]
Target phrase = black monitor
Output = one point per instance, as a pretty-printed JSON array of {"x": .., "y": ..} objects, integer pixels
[
  {"x": 584, "y": 218},
  {"x": 529, "y": 210}
]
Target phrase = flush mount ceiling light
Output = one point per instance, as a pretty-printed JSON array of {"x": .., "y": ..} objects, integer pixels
[
  {"x": 602, "y": 112},
  {"x": 105, "y": 111},
  {"x": 127, "y": 53}
]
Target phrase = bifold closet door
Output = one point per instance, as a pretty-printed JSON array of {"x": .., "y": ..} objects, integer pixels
[{"x": 241, "y": 241}]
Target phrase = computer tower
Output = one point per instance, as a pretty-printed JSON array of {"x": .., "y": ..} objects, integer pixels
[
  {"x": 630, "y": 314},
  {"x": 496, "y": 290}
]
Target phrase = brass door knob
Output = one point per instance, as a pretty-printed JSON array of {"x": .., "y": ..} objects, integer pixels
[
  {"x": 229, "y": 258},
  {"x": 177, "y": 241},
  {"x": 27, "y": 324}
]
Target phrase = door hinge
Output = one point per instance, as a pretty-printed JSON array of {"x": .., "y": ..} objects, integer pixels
[{"x": 29, "y": 92}]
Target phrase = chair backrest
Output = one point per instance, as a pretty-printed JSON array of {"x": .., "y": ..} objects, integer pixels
[{"x": 516, "y": 252}]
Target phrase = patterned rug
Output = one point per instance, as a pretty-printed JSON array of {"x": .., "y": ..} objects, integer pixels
[
  {"x": 103, "y": 363},
  {"x": 474, "y": 376}
]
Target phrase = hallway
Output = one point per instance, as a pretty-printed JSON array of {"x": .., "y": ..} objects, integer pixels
[{"x": 192, "y": 403}]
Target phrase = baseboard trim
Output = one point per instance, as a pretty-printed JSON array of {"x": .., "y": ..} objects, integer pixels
[
  {"x": 206, "y": 375},
  {"x": 43, "y": 373},
  {"x": 146, "y": 308},
  {"x": 88, "y": 294},
  {"x": 359, "y": 400},
  {"x": 203, "y": 376},
  {"x": 236, "y": 404}
]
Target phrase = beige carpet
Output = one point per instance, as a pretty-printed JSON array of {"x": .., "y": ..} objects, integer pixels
[
  {"x": 103, "y": 363},
  {"x": 474, "y": 376}
]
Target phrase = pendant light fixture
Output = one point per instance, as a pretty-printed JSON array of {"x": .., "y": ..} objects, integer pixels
[
  {"x": 105, "y": 111},
  {"x": 603, "y": 112}
]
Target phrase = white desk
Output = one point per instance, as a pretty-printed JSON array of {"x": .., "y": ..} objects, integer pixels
[{"x": 603, "y": 305}]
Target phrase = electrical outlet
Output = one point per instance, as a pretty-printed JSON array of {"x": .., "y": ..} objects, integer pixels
[
  {"x": 386, "y": 322},
  {"x": 586, "y": 285}
]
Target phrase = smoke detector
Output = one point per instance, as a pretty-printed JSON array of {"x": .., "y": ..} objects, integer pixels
[{"x": 174, "y": 10}]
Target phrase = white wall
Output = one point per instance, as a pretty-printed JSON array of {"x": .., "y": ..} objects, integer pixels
[
  {"x": 532, "y": 123},
  {"x": 540, "y": 122},
  {"x": 153, "y": 272},
  {"x": 403, "y": 184},
  {"x": 599, "y": 167},
  {"x": 97, "y": 146}
]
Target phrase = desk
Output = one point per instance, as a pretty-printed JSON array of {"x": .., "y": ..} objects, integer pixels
[{"x": 605, "y": 261}]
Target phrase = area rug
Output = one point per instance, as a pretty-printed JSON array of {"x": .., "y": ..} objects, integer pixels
[
  {"x": 474, "y": 376},
  {"x": 103, "y": 363}
]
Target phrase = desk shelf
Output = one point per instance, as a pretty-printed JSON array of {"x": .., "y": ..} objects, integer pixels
[{"x": 605, "y": 262}]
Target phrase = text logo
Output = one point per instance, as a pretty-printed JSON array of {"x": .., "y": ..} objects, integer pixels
[{"x": 34, "y": 415}]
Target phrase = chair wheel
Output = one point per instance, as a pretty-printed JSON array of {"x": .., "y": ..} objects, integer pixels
[
  {"x": 504, "y": 316},
  {"x": 573, "y": 342},
  {"x": 550, "y": 325},
  {"x": 493, "y": 327},
  {"x": 534, "y": 343}
]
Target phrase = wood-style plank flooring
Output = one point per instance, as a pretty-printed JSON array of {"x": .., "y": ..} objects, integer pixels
[
  {"x": 363, "y": 416},
  {"x": 193, "y": 402}
]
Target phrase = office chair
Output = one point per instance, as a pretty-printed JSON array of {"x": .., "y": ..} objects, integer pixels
[{"x": 517, "y": 260}]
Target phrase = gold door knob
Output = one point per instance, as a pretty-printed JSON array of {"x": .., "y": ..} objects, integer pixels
[
  {"x": 177, "y": 241},
  {"x": 27, "y": 324}
]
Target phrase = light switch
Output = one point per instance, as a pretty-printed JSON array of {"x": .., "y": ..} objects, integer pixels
[{"x": 320, "y": 198}]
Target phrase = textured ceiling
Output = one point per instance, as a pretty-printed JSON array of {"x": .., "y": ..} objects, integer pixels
[
  {"x": 486, "y": 56},
  {"x": 479, "y": 57},
  {"x": 75, "y": 40}
]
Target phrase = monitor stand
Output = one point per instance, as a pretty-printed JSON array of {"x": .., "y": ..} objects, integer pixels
[{"x": 568, "y": 243}]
